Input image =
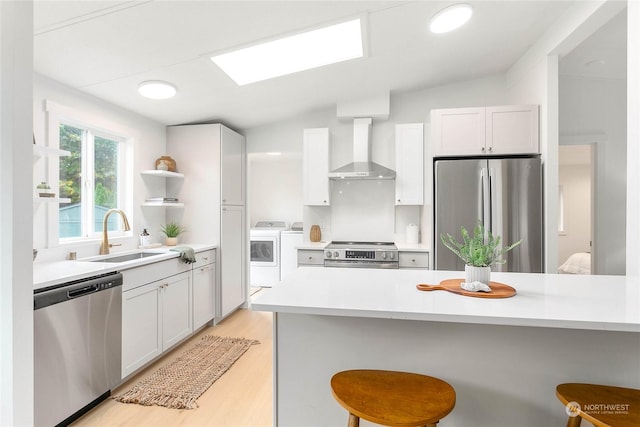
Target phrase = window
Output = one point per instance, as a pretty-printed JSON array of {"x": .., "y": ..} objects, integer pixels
[{"x": 93, "y": 177}]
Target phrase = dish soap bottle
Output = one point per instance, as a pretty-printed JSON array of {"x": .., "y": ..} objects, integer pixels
[{"x": 145, "y": 238}]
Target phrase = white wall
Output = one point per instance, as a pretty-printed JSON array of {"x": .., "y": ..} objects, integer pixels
[
  {"x": 275, "y": 187},
  {"x": 149, "y": 142},
  {"x": 576, "y": 188},
  {"x": 286, "y": 137},
  {"x": 598, "y": 106}
]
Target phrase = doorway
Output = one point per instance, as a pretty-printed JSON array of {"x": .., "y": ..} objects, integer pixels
[{"x": 576, "y": 199}]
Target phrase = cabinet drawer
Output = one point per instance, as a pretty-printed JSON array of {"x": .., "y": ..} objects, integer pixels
[
  {"x": 138, "y": 276},
  {"x": 205, "y": 257},
  {"x": 413, "y": 259},
  {"x": 310, "y": 257}
]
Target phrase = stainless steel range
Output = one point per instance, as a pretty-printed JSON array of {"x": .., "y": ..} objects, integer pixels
[{"x": 361, "y": 254}]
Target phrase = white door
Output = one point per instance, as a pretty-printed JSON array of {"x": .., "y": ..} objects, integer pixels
[
  {"x": 232, "y": 256},
  {"x": 203, "y": 294}
]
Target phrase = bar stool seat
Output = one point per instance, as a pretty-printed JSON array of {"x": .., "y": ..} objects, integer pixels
[
  {"x": 392, "y": 398},
  {"x": 601, "y": 405}
]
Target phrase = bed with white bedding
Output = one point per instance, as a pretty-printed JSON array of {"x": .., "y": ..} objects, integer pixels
[{"x": 578, "y": 263}]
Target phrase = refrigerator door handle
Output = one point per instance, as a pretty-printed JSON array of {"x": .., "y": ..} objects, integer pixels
[
  {"x": 485, "y": 198},
  {"x": 492, "y": 202}
]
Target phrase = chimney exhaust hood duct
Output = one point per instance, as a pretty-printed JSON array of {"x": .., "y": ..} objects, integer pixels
[{"x": 362, "y": 167}]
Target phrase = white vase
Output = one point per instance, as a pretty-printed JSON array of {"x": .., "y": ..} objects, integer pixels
[
  {"x": 477, "y": 274},
  {"x": 171, "y": 241}
]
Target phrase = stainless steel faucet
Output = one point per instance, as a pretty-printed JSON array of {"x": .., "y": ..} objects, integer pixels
[{"x": 105, "y": 245}]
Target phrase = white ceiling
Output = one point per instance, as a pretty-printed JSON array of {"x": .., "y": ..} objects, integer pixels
[{"x": 105, "y": 48}]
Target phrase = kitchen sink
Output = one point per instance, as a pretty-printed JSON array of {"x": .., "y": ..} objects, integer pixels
[{"x": 127, "y": 257}]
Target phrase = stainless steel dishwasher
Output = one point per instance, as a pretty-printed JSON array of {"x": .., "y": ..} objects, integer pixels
[{"x": 77, "y": 347}]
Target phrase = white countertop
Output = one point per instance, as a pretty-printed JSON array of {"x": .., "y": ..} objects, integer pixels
[
  {"x": 47, "y": 274},
  {"x": 542, "y": 300},
  {"x": 413, "y": 247},
  {"x": 312, "y": 245}
]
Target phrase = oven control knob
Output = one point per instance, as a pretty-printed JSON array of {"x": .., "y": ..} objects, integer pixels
[
  {"x": 335, "y": 254},
  {"x": 328, "y": 254},
  {"x": 392, "y": 255},
  {"x": 384, "y": 255}
]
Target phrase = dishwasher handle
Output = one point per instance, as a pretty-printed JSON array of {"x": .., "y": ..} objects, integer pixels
[{"x": 76, "y": 293}]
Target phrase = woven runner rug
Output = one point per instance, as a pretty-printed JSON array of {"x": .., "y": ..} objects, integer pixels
[{"x": 179, "y": 384}]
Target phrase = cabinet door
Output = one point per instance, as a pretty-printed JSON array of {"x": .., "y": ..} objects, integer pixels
[
  {"x": 458, "y": 131},
  {"x": 409, "y": 164},
  {"x": 413, "y": 259},
  {"x": 232, "y": 259},
  {"x": 141, "y": 332},
  {"x": 176, "y": 309},
  {"x": 232, "y": 167},
  {"x": 310, "y": 257},
  {"x": 512, "y": 129},
  {"x": 203, "y": 294},
  {"x": 315, "y": 167}
]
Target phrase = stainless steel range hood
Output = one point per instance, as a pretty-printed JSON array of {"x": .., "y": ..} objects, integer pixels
[{"x": 362, "y": 167}]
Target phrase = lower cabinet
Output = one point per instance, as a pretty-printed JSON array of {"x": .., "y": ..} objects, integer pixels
[
  {"x": 155, "y": 316},
  {"x": 204, "y": 289},
  {"x": 413, "y": 259},
  {"x": 310, "y": 257},
  {"x": 232, "y": 259}
]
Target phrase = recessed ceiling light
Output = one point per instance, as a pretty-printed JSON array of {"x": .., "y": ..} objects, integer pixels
[
  {"x": 450, "y": 18},
  {"x": 155, "y": 89},
  {"x": 299, "y": 52}
]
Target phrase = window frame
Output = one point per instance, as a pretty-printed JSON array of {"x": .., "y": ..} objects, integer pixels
[{"x": 95, "y": 127}]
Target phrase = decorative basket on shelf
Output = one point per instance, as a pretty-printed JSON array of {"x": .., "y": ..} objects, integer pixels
[{"x": 166, "y": 163}]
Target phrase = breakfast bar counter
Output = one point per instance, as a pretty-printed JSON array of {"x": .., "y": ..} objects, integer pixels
[{"x": 504, "y": 357}]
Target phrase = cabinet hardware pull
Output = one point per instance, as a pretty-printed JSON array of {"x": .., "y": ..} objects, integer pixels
[{"x": 482, "y": 149}]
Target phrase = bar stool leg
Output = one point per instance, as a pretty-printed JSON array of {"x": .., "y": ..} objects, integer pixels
[
  {"x": 574, "y": 422},
  {"x": 354, "y": 421}
]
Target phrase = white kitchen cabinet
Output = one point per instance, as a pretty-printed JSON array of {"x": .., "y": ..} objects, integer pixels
[
  {"x": 490, "y": 131},
  {"x": 232, "y": 167},
  {"x": 413, "y": 259},
  {"x": 409, "y": 164},
  {"x": 310, "y": 257},
  {"x": 512, "y": 129},
  {"x": 315, "y": 167},
  {"x": 155, "y": 317},
  {"x": 204, "y": 289},
  {"x": 232, "y": 257},
  {"x": 141, "y": 331},
  {"x": 213, "y": 158}
]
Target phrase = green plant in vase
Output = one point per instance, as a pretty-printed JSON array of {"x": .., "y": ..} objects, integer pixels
[
  {"x": 479, "y": 251},
  {"x": 172, "y": 230}
]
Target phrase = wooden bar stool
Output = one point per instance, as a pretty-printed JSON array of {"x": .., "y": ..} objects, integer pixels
[
  {"x": 601, "y": 405},
  {"x": 392, "y": 398}
]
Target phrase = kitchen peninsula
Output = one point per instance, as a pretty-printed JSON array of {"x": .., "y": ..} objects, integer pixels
[{"x": 504, "y": 357}]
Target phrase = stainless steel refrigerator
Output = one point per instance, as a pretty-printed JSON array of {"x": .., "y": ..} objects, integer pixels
[{"x": 505, "y": 194}]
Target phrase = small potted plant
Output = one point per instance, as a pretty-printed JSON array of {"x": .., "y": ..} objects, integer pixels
[
  {"x": 172, "y": 230},
  {"x": 478, "y": 252}
]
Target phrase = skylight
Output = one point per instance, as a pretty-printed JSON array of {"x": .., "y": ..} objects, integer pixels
[{"x": 298, "y": 52}]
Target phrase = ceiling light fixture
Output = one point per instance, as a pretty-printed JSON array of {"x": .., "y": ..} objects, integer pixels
[
  {"x": 155, "y": 89},
  {"x": 299, "y": 52},
  {"x": 450, "y": 18}
]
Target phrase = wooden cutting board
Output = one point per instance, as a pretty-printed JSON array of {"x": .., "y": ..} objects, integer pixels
[{"x": 498, "y": 290}]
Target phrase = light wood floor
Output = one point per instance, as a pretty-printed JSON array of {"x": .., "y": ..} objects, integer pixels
[{"x": 241, "y": 397}]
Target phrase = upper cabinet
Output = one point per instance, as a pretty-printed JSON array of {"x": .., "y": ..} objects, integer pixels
[
  {"x": 409, "y": 164},
  {"x": 315, "y": 168},
  {"x": 485, "y": 131},
  {"x": 232, "y": 165}
]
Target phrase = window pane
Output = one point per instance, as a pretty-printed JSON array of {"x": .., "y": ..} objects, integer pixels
[
  {"x": 70, "y": 222},
  {"x": 106, "y": 181}
]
